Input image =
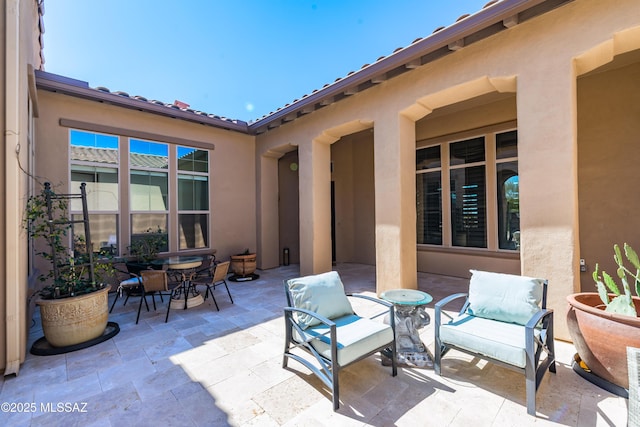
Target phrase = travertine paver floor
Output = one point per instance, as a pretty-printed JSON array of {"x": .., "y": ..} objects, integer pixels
[{"x": 209, "y": 368}]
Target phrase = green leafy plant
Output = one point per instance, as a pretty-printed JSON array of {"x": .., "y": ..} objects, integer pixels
[
  {"x": 622, "y": 303},
  {"x": 146, "y": 247},
  {"x": 69, "y": 273}
]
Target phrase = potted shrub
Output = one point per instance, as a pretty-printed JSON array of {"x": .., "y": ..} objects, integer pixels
[
  {"x": 74, "y": 301},
  {"x": 603, "y": 324}
]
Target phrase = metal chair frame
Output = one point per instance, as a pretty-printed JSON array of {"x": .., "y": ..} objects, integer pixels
[
  {"x": 534, "y": 369},
  {"x": 329, "y": 369}
]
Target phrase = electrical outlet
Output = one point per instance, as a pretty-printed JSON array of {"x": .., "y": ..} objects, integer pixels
[{"x": 583, "y": 265}]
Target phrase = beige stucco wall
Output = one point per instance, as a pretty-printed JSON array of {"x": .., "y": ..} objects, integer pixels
[
  {"x": 608, "y": 174},
  {"x": 352, "y": 175},
  {"x": 534, "y": 61},
  {"x": 232, "y": 186},
  {"x": 20, "y": 49}
]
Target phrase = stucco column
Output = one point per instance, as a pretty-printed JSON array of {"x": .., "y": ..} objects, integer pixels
[
  {"x": 315, "y": 206},
  {"x": 547, "y": 160},
  {"x": 267, "y": 212},
  {"x": 395, "y": 192}
]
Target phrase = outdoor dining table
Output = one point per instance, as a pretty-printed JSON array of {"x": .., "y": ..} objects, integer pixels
[{"x": 185, "y": 268}]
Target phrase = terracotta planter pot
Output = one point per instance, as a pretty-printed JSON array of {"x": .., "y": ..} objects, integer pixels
[
  {"x": 602, "y": 338},
  {"x": 243, "y": 265},
  {"x": 70, "y": 321}
]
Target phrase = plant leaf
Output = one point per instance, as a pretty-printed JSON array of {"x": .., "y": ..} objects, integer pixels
[
  {"x": 596, "y": 274},
  {"x": 632, "y": 256},
  {"x": 602, "y": 291},
  {"x": 622, "y": 305},
  {"x": 617, "y": 256},
  {"x": 608, "y": 280}
]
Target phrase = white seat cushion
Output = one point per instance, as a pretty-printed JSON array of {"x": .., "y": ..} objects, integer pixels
[
  {"x": 499, "y": 340},
  {"x": 356, "y": 336}
]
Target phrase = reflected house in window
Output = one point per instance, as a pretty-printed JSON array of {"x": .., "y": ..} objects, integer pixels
[
  {"x": 96, "y": 158},
  {"x": 193, "y": 198}
]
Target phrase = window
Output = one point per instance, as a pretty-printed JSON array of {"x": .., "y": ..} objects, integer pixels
[
  {"x": 94, "y": 161},
  {"x": 468, "y": 193},
  {"x": 429, "y": 196},
  {"x": 193, "y": 198},
  {"x": 508, "y": 190},
  {"x": 466, "y": 163},
  {"x": 149, "y": 189},
  {"x": 167, "y": 187}
]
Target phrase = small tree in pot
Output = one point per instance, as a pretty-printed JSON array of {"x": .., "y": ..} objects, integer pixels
[{"x": 73, "y": 303}]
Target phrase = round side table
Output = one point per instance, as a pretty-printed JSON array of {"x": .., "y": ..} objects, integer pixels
[{"x": 409, "y": 317}]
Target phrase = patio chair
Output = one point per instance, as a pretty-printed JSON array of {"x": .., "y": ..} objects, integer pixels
[
  {"x": 128, "y": 284},
  {"x": 319, "y": 319},
  {"x": 154, "y": 282},
  {"x": 504, "y": 320},
  {"x": 219, "y": 278}
]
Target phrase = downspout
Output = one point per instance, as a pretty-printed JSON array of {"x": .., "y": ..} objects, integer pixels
[{"x": 14, "y": 308}]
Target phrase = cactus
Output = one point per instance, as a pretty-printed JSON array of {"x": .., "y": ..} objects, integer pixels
[{"x": 622, "y": 303}]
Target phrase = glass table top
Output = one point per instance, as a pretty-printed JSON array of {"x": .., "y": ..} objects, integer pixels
[{"x": 406, "y": 297}]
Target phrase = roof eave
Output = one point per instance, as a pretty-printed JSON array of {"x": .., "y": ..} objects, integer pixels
[{"x": 77, "y": 88}]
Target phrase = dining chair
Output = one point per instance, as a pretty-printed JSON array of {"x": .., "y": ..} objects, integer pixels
[
  {"x": 219, "y": 274},
  {"x": 154, "y": 282}
]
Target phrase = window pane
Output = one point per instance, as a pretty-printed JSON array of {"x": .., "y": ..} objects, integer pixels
[
  {"x": 143, "y": 224},
  {"x": 104, "y": 232},
  {"x": 428, "y": 158},
  {"x": 149, "y": 191},
  {"x": 508, "y": 206},
  {"x": 429, "y": 205},
  {"x": 194, "y": 232},
  {"x": 507, "y": 145},
  {"x": 102, "y": 187},
  {"x": 464, "y": 152},
  {"x": 148, "y": 154},
  {"x": 193, "y": 160},
  {"x": 193, "y": 193},
  {"x": 468, "y": 207},
  {"x": 93, "y": 147}
]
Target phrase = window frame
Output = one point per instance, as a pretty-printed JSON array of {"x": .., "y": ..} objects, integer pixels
[{"x": 491, "y": 193}]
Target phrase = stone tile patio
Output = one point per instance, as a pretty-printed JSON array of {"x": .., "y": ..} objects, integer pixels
[{"x": 209, "y": 368}]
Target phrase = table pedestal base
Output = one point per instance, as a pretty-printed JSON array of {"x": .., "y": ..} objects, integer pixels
[
  {"x": 192, "y": 301},
  {"x": 410, "y": 350}
]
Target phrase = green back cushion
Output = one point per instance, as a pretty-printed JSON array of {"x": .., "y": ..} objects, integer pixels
[
  {"x": 322, "y": 294},
  {"x": 504, "y": 297}
]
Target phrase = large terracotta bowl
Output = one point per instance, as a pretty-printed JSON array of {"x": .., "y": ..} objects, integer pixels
[{"x": 602, "y": 338}]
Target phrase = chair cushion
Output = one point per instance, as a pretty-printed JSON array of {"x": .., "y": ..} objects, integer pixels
[
  {"x": 499, "y": 340},
  {"x": 320, "y": 293},
  {"x": 356, "y": 337},
  {"x": 504, "y": 297}
]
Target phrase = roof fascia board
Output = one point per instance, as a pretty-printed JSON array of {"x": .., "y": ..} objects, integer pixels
[
  {"x": 496, "y": 13},
  {"x": 56, "y": 83}
]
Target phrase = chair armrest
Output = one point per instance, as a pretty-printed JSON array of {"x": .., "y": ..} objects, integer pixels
[
  {"x": 289, "y": 310},
  {"x": 538, "y": 317},
  {"x": 376, "y": 300},
  {"x": 387, "y": 304},
  {"x": 440, "y": 305}
]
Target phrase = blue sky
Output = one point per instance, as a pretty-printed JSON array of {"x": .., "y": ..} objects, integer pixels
[{"x": 236, "y": 58}]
